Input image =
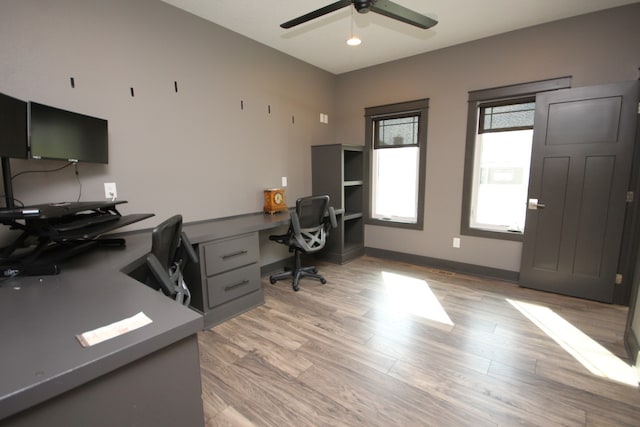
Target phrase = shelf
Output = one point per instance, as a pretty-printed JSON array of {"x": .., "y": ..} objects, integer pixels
[
  {"x": 353, "y": 165},
  {"x": 353, "y": 198},
  {"x": 338, "y": 170},
  {"x": 348, "y": 216},
  {"x": 353, "y": 247}
]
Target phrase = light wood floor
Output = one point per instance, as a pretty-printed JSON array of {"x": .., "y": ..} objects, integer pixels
[{"x": 353, "y": 353}]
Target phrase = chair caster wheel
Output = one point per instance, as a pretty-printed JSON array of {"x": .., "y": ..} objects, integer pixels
[
  {"x": 323, "y": 281},
  {"x": 296, "y": 288},
  {"x": 273, "y": 281}
]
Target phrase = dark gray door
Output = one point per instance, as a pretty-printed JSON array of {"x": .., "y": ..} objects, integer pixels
[{"x": 580, "y": 168}]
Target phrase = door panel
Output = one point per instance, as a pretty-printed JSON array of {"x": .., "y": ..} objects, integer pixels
[
  {"x": 580, "y": 169},
  {"x": 592, "y": 222},
  {"x": 549, "y": 226},
  {"x": 584, "y": 121}
]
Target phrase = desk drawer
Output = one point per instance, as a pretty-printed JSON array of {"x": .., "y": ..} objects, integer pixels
[
  {"x": 227, "y": 254},
  {"x": 233, "y": 284}
]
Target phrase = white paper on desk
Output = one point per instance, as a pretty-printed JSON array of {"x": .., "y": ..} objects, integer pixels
[{"x": 115, "y": 329}]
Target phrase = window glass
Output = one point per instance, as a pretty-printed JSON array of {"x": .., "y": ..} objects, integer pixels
[
  {"x": 397, "y": 132},
  {"x": 395, "y": 184},
  {"x": 495, "y": 118},
  {"x": 501, "y": 180}
]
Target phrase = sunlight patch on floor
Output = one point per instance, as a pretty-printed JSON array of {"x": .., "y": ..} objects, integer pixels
[
  {"x": 413, "y": 296},
  {"x": 593, "y": 356}
]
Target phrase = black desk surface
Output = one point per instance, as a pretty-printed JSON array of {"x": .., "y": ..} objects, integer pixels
[
  {"x": 55, "y": 210},
  {"x": 97, "y": 230},
  {"x": 40, "y": 316}
]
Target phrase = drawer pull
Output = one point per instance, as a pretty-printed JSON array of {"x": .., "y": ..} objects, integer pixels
[
  {"x": 230, "y": 287},
  {"x": 235, "y": 254}
]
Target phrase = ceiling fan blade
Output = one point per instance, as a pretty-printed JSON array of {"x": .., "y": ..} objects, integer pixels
[
  {"x": 316, "y": 13},
  {"x": 401, "y": 13}
]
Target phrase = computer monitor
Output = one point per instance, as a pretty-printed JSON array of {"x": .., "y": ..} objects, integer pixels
[
  {"x": 13, "y": 140},
  {"x": 13, "y": 127},
  {"x": 64, "y": 135}
]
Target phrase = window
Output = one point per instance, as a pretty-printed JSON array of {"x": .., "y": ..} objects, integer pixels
[
  {"x": 501, "y": 166},
  {"x": 499, "y": 144},
  {"x": 397, "y": 140},
  {"x": 508, "y": 115}
]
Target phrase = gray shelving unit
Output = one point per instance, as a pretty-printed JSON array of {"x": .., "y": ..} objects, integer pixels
[{"x": 338, "y": 170}]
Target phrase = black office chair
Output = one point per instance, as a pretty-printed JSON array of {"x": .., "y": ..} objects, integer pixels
[
  {"x": 170, "y": 252},
  {"x": 307, "y": 233}
]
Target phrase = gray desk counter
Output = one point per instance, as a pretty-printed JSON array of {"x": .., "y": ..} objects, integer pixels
[
  {"x": 203, "y": 231},
  {"x": 40, "y": 357}
]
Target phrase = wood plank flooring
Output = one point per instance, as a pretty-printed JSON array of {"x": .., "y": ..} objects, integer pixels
[{"x": 355, "y": 353}]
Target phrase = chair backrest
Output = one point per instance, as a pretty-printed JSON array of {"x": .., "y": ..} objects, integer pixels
[
  {"x": 311, "y": 210},
  {"x": 310, "y": 232},
  {"x": 170, "y": 252},
  {"x": 165, "y": 239}
]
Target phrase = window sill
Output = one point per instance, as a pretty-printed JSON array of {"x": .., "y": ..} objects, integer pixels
[
  {"x": 491, "y": 234},
  {"x": 392, "y": 223}
]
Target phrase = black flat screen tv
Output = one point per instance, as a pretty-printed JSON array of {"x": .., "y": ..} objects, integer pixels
[
  {"x": 13, "y": 127},
  {"x": 64, "y": 135}
]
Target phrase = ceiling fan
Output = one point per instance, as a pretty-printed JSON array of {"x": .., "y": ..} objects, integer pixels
[{"x": 383, "y": 7}]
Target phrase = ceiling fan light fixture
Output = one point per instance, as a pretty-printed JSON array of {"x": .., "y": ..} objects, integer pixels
[
  {"x": 354, "y": 41},
  {"x": 362, "y": 6}
]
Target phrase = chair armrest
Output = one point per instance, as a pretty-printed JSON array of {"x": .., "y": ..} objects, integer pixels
[
  {"x": 160, "y": 275},
  {"x": 295, "y": 223},
  {"x": 188, "y": 247},
  {"x": 332, "y": 217}
]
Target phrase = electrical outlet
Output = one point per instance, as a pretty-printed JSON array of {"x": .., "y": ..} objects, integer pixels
[
  {"x": 456, "y": 242},
  {"x": 110, "y": 191},
  {"x": 284, "y": 181}
]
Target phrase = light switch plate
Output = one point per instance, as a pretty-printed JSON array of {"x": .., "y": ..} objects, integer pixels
[{"x": 110, "y": 191}]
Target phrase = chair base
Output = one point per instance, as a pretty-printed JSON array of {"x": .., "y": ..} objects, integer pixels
[{"x": 297, "y": 273}]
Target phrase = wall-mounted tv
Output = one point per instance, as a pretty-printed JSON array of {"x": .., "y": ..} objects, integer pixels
[
  {"x": 64, "y": 135},
  {"x": 13, "y": 127}
]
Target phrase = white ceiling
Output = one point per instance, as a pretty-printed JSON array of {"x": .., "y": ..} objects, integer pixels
[{"x": 321, "y": 42}]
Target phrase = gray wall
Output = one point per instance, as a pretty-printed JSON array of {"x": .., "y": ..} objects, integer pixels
[
  {"x": 198, "y": 154},
  {"x": 194, "y": 152},
  {"x": 594, "y": 49}
]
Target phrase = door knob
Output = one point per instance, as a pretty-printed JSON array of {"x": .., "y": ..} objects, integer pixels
[{"x": 534, "y": 204}]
